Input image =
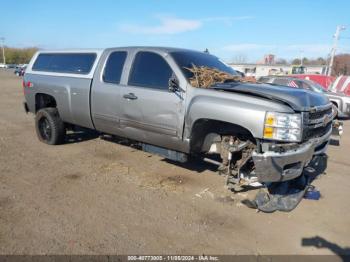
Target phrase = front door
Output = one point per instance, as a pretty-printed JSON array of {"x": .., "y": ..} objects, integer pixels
[{"x": 150, "y": 112}]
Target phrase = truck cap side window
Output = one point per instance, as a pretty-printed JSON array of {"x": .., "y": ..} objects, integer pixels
[
  {"x": 150, "y": 70},
  {"x": 76, "y": 63},
  {"x": 114, "y": 67}
]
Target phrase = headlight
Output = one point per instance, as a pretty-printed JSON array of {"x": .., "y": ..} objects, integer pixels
[{"x": 282, "y": 126}]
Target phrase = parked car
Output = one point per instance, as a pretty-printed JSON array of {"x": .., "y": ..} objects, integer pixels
[
  {"x": 323, "y": 80},
  {"x": 20, "y": 70},
  {"x": 263, "y": 133},
  {"x": 341, "y": 85},
  {"x": 11, "y": 66},
  {"x": 341, "y": 101},
  {"x": 2, "y": 66}
]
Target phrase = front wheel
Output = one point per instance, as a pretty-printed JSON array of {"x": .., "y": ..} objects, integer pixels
[{"x": 49, "y": 126}]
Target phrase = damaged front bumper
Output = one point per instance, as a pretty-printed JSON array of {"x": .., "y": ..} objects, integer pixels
[{"x": 281, "y": 166}]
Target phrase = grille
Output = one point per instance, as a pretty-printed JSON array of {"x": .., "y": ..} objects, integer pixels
[
  {"x": 317, "y": 132},
  {"x": 313, "y": 123},
  {"x": 320, "y": 114}
]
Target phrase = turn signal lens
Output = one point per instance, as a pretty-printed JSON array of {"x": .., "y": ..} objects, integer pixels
[
  {"x": 268, "y": 132},
  {"x": 283, "y": 126}
]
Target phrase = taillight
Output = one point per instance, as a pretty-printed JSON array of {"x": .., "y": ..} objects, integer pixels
[{"x": 27, "y": 84}]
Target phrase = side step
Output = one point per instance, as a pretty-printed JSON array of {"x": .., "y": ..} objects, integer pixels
[{"x": 167, "y": 153}]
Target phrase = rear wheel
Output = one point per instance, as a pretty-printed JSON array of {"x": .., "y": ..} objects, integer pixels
[{"x": 49, "y": 126}]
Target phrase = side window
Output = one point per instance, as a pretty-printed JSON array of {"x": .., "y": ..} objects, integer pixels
[
  {"x": 150, "y": 70},
  {"x": 114, "y": 67}
]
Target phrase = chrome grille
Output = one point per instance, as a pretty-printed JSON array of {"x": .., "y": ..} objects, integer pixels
[{"x": 317, "y": 122}]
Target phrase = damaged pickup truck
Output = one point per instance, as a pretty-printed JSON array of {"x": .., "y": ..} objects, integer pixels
[{"x": 262, "y": 133}]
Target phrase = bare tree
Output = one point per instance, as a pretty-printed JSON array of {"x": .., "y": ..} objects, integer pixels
[
  {"x": 341, "y": 65},
  {"x": 281, "y": 61},
  {"x": 239, "y": 59}
]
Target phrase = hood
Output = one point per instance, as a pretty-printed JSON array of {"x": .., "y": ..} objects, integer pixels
[
  {"x": 334, "y": 93},
  {"x": 297, "y": 99}
]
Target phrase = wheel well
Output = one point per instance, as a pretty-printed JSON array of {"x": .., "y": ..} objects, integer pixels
[
  {"x": 204, "y": 130},
  {"x": 334, "y": 103},
  {"x": 44, "y": 100}
]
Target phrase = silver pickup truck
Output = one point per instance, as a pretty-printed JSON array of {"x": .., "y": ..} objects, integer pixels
[{"x": 261, "y": 133}]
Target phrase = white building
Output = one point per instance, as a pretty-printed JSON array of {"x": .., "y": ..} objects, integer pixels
[{"x": 259, "y": 70}]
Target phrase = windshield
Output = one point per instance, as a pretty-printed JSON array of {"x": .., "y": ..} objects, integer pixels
[{"x": 190, "y": 58}]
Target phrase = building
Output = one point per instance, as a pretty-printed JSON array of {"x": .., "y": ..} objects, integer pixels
[{"x": 259, "y": 70}]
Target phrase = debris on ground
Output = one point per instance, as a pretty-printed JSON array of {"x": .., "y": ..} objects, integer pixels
[
  {"x": 312, "y": 193},
  {"x": 285, "y": 196},
  {"x": 205, "y": 192},
  {"x": 282, "y": 196}
]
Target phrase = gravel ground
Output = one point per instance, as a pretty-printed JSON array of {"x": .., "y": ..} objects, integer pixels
[{"x": 92, "y": 196}]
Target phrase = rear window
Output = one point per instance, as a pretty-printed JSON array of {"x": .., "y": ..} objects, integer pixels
[
  {"x": 264, "y": 79},
  {"x": 65, "y": 62},
  {"x": 281, "y": 81}
]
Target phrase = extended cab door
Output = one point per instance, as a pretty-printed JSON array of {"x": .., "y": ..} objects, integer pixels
[
  {"x": 149, "y": 111},
  {"x": 106, "y": 91}
]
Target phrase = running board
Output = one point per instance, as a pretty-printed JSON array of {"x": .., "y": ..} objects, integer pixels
[{"x": 167, "y": 153}]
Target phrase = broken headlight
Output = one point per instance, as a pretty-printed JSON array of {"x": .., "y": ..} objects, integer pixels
[{"x": 283, "y": 127}]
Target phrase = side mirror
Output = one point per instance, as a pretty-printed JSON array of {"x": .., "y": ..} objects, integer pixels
[{"x": 173, "y": 84}]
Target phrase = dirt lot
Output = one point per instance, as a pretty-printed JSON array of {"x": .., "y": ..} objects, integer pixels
[{"x": 98, "y": 197}]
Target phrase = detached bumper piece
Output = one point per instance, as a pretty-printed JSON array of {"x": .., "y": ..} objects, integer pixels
[
  {"x": 282, "y": 166},
  {"x": 287, "y": 195}
]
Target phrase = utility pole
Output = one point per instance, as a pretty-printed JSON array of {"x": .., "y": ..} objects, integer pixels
[
  {"x": 3, "y": 50},
  {"x": 301, "y": 57},
  {"x": 334, "y": 48}
]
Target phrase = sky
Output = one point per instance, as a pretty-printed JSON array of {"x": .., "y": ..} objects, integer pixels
[{"x": 229, "y": 29}]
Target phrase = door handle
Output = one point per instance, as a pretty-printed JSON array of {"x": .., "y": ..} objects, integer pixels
[{"x": 130, "y": 96}]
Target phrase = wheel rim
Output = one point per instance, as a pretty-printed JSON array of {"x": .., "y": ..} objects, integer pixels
[{"x": 45, "y": 129}]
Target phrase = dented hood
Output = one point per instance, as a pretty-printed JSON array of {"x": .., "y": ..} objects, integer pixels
[{"x": 298, "y": 99}]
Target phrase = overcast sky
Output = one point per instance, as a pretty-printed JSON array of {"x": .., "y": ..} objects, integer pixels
[{"x": 227, "y": 28}]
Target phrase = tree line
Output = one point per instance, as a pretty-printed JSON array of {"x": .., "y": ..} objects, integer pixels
[
  {"x": 341, "y": 65},
  {"x": 18, "y": 55}
]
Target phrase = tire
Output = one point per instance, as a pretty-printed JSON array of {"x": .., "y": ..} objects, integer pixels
[{"x": 49, "y": 126}]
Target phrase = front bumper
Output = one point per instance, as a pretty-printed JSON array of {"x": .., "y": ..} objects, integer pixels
[{"x": 276, "y": 167}]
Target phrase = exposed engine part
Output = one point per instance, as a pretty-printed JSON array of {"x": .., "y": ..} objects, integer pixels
[
  {"x": 337, "y": 128},
  {"x": 237, "y": 163}
]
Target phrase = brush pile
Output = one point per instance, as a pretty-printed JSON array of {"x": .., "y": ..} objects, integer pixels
[{"x": 205, "y": 77}]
